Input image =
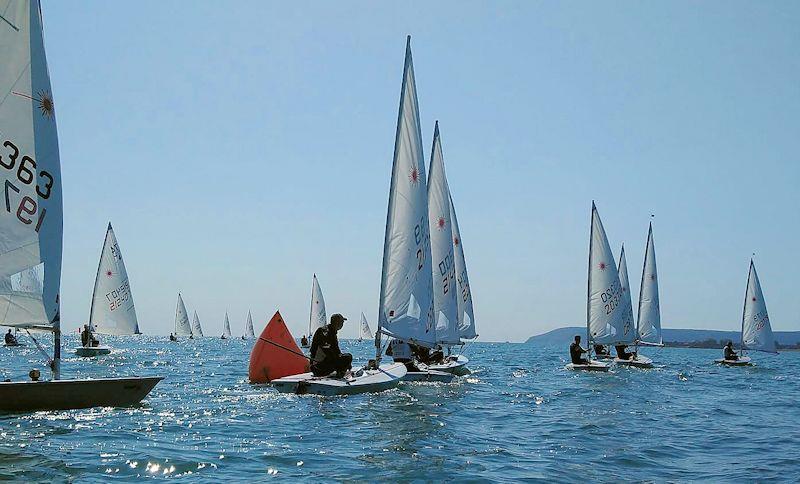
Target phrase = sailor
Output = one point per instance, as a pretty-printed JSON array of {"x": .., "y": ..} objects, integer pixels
[
  {"x": 729, "y": 353},
  {"x": 402, "y": 352},
  {"x": 172, "y": 337},
  {"x": 86, "y": 336},
  {"x": 11, "y": 340},
  {"x": 600, "y": 350},
  {"x": 304, "y": 341},
  {"x": 326, "y": 357},
  {"x": 622, "y": 352},
  {"x": 576, "y": 352}
]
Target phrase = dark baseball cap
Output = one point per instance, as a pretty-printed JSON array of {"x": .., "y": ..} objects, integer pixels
[{"x": 338, "y": 318}]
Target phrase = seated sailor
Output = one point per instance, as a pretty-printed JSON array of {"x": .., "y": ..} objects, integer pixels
[
  {"x": 11, "y": 339},
  {"x": 729, "y": 353},
  {"x": 601, "y": 350},
  {"x": 326, "y": 357},
  {"x": 172, "y": 337},
  {"x": 304, "y": 341},
  {"x": 576, "y": 352},
  {"x": 623, "y": 354},
  {"x": 403, "y": 352}
]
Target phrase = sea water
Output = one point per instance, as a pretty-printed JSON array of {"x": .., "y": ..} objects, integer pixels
[{"x": 519, "y": 415}]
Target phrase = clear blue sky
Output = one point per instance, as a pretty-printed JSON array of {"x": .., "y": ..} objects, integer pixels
[{"x": 240, "y": 147}]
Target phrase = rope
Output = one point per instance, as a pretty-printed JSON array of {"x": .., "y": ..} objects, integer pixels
[
  {"x": 284, "y": 348},
  {"x": 41, "y": 349}
]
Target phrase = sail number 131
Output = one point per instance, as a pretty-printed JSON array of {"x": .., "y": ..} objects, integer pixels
[{"x": 27, "y": 208}]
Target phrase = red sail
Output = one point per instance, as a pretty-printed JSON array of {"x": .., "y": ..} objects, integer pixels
[{"x": 275, "y": 354}]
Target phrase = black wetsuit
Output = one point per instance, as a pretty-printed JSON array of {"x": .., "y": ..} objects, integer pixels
[
  {"x": 10, "y": 339},
  {"x": 730, "y": 354},
  {"x": 326, "y": 357},
  {"x": 576, "y": 354},
  {"x": 622, "y": 353}
]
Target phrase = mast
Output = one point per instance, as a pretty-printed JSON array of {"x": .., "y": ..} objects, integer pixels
[
  {"x": 589, "y": 284},
  {"x": 56, "y": 365}
]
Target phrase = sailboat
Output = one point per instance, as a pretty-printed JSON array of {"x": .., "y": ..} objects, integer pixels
[
  {"x": 605, "y": 311},
  {"x": 226, "y": 328},
  {"x": 249, "y": 333},
  {"x": 648, "y": 318},
  {"x": 629, "y": 334},
  {"x": 756, "y": 329},
  {"x": 364, "y": 332},
  {"x": 197, "y": 330},
  {"x": 112, "y": 311},
  {"x": 32, "y": 229},
  {"x": 182, "y": 326},
  {"x": 317, "y": 317}
]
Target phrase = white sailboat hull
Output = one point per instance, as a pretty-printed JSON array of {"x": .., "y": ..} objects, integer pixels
[
  {"x": 639, "y": 362},
  {"x": 428, "y": 375},
  {"x": 742, "y": 361},
  {"x": 73, "y": 394},
  {"x": 88, "y": 352},
  {"x": 386, "y": 377},
  {"x": 593, "y": 365},
  {"x": 457, "y": 365}
]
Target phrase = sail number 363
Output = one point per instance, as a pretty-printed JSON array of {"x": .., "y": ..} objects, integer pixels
[{"x": 27, "y": 208}]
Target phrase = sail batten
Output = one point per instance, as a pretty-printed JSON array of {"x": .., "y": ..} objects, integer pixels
[
  {"x": 112, "y": 310},
  {"x": 756, "y": 328}
]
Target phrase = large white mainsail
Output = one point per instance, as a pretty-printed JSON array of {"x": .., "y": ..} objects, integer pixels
[
  {"x": 364, "y": 331},
  {"x": 182, "y": 326},
  {"x": 31, "y": 224},
  {"x": 226, "y": 328},
  {"x": 112, "y": 310},
  {"x": 466, "y": 314},
  {"x": 628, "y": 335},
  {"x": 648, "y": 320},
  {"x": 605, "y": 313},
  {"x": 248, "y": 330},
  {"x": 197, "y": 330},
  {"x": 317, "y": 317},
  {"x": 756, "y": 330},
  {"x": 445, "y": 304},
  {"x": 406, "y": 298}
]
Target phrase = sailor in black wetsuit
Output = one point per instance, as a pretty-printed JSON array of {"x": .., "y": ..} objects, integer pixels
[
  {"x": 729, "y": 353},
  {"x": 576, "y": 352},
  {"x": 622, "y": 353},
  {"x": 11, "y": 340},
  {"x": 326, "y": 357}
]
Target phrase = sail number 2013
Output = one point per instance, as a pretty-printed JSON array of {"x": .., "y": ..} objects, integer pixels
[{"x": 25, "y": 168}]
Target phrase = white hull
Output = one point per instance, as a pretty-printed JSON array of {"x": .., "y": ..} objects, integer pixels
[
  {"x": 455, "y": 365},
  {"x": 72, "y": 394},
  {"x": 742, "y": 361},
  {"x": 386, "y": 377},
  {"x": 429, "y": 375},
  {"x": 593, "y": 365},
  {"x": 92, "y": 351},
  {"x": 639, "y": 362}
]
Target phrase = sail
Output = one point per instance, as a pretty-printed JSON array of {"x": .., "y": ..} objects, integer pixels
[
  {"x": 648, "y": 320},
  {"x": 182, "y": 327},
  {"x": 248, "y": 330},
  {"x": 466, "y": 315},
  {"x": 31, "y": 223},
  {"x": 445, "y": 304},
  {"x": 605, "y": 311},
  {"x": 196, "y": 329},
  {"x": 628, "y": 335},
  {"x": 406, "y": 299},
  {"x": 226, "y": 329},
  {"x": 756, "y": 330},
  {"x": 364, "y": 331},
  {"x": 112, "y": 310},
  {"x": 317, "y": 318}
]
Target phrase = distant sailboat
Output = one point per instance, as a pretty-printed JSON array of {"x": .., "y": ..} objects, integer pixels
[
  {"x": 364, "y": 332},
  {"x": 226, "y": 329},
  {"x": 32, "y": 227},
  {"x": 629, "y": 334},
  {"x": 197, "y": 330},
  {"x": 756, "y": 329},
  {"x": 317, "y": 317},
  {"x": 182, "y": 326},
  {"x": 249, "y": 333}
]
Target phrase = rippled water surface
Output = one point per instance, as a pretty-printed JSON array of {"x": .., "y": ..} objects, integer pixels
[{"x": 519, "y": 415}]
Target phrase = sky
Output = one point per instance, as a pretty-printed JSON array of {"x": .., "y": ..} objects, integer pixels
[{"x": 238, "y": 148}]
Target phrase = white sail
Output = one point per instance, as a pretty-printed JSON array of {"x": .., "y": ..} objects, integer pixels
[
  {"x": 628, "y": 335},
  {"x": 466, "y": 315},
  {"x": 756, "y": 330},
  {"x": 406, "y": 299},
  {"x": 226, "y": 329},
  {"x": 605, "y": 309},
  {"x": 112, "y": 310},
  {"x": 182, "y": 326},
  {"x": 248, "y": 330},
  {"x": 317, "y": 317},
  {"x": 197, "y": 331},
  {"x": 445, "y": 304},
  {"x": 31, "y": 221},
  {"x": 364, "y": 331},
  {"x": 648, "y": 320}
]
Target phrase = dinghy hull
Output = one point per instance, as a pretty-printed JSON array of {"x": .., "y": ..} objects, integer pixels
[
  {"x": 591, "y": 366},
  {"x": 31, "y": 396},
  {"x": 429, "y": 375},
  {"x": 743, "y": 361},
  {"x": 88, "y": 352},
  {"x": 386, "y": 377},
  {"x": 638, "y": 362},
  {"x": 455, "y": 365}
]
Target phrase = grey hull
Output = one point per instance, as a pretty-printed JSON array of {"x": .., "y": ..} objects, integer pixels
[{"x": 72, "y": 394}]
